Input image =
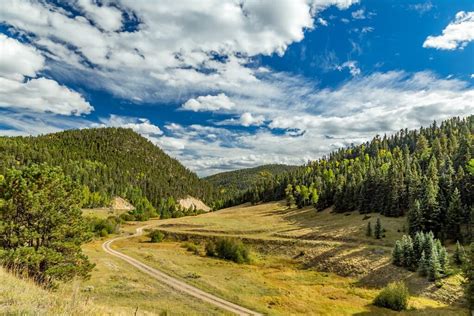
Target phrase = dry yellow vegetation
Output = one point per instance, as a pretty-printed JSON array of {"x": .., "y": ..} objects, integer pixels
[{"x": 304, "y": 262}]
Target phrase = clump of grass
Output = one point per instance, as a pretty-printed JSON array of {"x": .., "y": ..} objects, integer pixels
[
  {"x": 394, "y": 296},
  {"x": 156, "y": 236},
  {"x": 191, "y": 247},
  {"x": 228, "y": 249}
]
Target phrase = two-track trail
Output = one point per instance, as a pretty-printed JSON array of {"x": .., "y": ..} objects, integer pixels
[{"x": 173, "y": 282}]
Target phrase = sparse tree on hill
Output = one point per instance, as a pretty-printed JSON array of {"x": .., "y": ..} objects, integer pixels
[
  {"x": 415, "y": 219},
  {"x": 418, "y": 243},
  {"x": 378, "y": 231},
  {"x": 459, "y": 254},
  {"x": 455, "y": 215},
  {"x": 314, "y": 197},
  {"x": 423, "y": 265},
  {"x": 397, "y": 254},
  {"x": 443, "y": 260},
  {"x": 434, "y": 266},
  {"x": 407, "y": 250},
  {"x": 290, "y": 198},
  {"x": 368, "y": 232}
]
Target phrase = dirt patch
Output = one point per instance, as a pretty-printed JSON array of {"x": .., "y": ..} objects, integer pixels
[
  {"x": 119, "y": 203},
  {"x": 190, "y": 201}
]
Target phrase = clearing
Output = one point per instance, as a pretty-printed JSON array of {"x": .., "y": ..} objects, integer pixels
[{"x": 304, "y": 262}]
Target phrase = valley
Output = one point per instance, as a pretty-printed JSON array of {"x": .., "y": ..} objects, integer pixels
[{"x": 297, "y": 265}]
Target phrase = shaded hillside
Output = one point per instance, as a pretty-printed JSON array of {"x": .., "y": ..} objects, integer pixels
[
  {"x": 233, "y": 183},
  {"x": 109, "y": 162}
]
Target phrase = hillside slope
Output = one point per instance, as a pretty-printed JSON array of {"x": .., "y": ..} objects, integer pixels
[
  {"x": 24, "y": 297},
  {"x": 110, "y": 162},
  {"x": 234, "y": 183},
  {"x": 426, "y": 173}
]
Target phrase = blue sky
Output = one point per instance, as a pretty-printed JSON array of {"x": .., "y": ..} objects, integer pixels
[{"x": 222, "y": 85}]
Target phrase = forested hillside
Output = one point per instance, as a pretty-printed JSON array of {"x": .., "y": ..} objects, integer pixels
[
  {"x": 108, "y": 162},
  {"x": 426, "y": 174},
  {"x": 234, "y": 183}
]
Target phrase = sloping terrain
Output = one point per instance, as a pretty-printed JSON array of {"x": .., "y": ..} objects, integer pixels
[
  {"x": 23, "y": 297},
  {"x": 303, "y": 261},
  {"x": 233, "y": 183},
  {"x": 110, "y": 162}
]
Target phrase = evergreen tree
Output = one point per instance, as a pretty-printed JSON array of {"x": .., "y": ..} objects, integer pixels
[
  {"x": 290, "y": 199},
  {"x": 468, "y": 272},
  {"x": 443, "y": 261},
  {"x": 455, "y": 215},
  {"x": 41, "y": 224},
  {"x": 314, "y": 197},
  {"x": 407, "y": 249},
  {"x": 459, "y": 254},
  {"x": 418, "y": 243},
  {"x": 423, "y": 265},
  {"x": 434, "y": 266},
  {"x": 415, "y": 220},
  {"x": 397, "y": 254},
  {"x": 368, "y": 232},
  {"x": 378, "y": 229}
]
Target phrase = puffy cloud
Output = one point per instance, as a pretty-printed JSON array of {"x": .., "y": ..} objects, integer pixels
[
  {"x": 42, "y": 95},
  {"x": 330, "y": 119},
  {"x": 246, "y": 119},
  {"x": 140, "y": 125},
  {"x": 174, "y": 46},
  {"x": 19, "y": 61},
  {"x": 456, "y": 35},
  {"x": 209, "y": 103}
]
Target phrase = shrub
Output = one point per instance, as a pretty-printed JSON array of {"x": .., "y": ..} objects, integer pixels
[
  {"x": 228, "y": 249},
  {"x": 191, "y": 247},
  {"x": 394, "y": 296},
  {"x": 156, "y": 236},
  {"x": 103, "y": 227},
  {"x": 210, "y": 249}
]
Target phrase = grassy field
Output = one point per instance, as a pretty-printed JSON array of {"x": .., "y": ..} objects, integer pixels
[
  {"x": 304, "y": 262},
  {"x": 23, "y": 297},
  {"x": 115, "y": 283}
]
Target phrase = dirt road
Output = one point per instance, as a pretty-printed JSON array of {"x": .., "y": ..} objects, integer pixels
[{"x": 173, "y": 282}]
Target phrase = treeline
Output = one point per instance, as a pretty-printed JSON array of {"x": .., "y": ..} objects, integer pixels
[
  {"x": 109, "y": 162},
  {"x": 231, "y": 184},
  {"x": 426, "y": 173}
]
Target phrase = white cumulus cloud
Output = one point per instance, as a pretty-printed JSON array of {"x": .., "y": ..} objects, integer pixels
[
  {"x": 21, "y": 88},
  {"x": 209, "y": 103},
  {"x": 456, "y": 35}
]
